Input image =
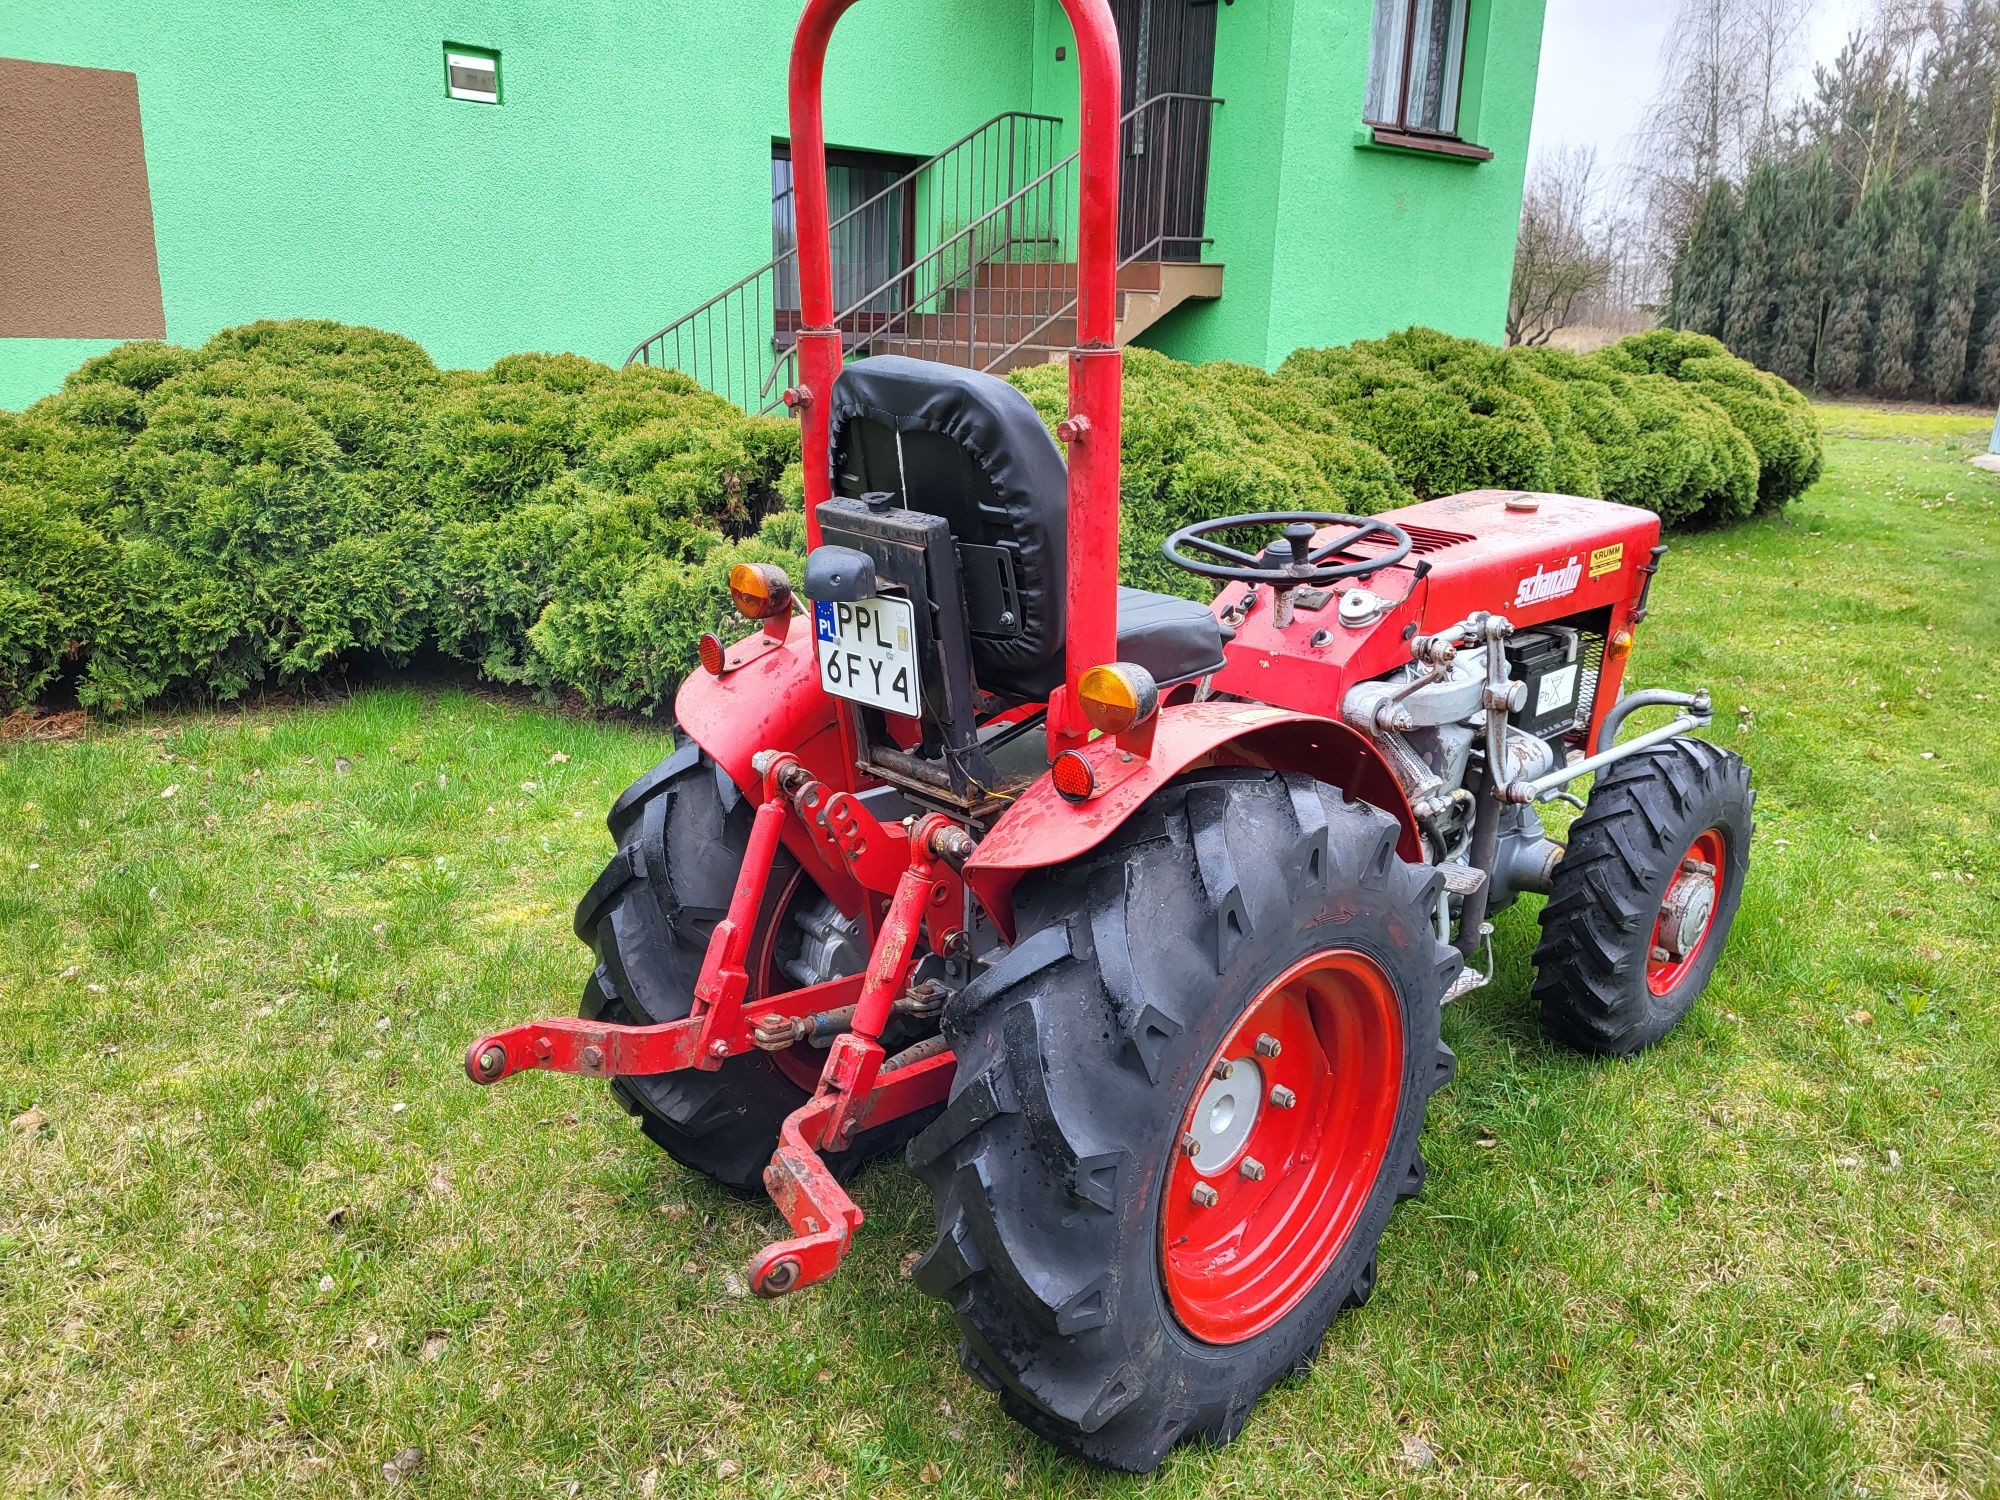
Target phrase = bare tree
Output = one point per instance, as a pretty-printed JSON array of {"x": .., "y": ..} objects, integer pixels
[
  {"x": 1992, "y": 153},
  {"x": 1774, "y": 31},
  {"x": 1632, "y": 289},
  {"x": 1919, "y": 84},
  {"x": 1724, "y": 69},
  {"x": 1559, "y": 260}
]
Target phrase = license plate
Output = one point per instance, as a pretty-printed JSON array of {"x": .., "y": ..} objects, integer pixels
[{"x": 868, "y": 653}]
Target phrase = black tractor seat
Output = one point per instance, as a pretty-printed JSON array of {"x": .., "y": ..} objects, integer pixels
[
  {"x": 969, "y": 447},
  {"x": 1174, "y": 639}
]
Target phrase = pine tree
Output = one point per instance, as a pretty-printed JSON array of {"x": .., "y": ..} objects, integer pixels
[
  {"x": 1802, "y": 281},
  {"x": 1903, "y": 278},
  {"x": 1748, "y": 308},
  {"x": 1843, "y": 353},
  {"x": 1982, "y": 359},
  {"x": 1952, "y": 305},
  {"x": 1702, "y": 272},
  {"x": 1895, "y": 341},
  {"x": 1850, "y": 332}
]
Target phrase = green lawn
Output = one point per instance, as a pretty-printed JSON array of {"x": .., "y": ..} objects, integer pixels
[{"x": 267, "y": 1237}]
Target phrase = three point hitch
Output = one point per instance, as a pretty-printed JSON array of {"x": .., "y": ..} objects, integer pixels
[{"x": 917, "y": 867}]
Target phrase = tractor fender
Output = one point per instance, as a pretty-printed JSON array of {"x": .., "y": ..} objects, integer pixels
[
  {"x": 769, "y": 698},
  {"x": 1041, "y": 829}
]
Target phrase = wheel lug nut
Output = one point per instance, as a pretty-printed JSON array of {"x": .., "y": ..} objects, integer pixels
[
  {"x": 1252, "y": 1169},
  {"x": 1222, "y": 1070},
  {"x": 1282, "y": 1097},
  {"x": 1660, "y": 955},
  {"x": 1267, "y": 1045},
  {"x": 1203, "y": 1195},
  {"x": 1190, "y": 1147}
]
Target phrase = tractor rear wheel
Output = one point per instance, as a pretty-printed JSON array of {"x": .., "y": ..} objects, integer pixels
[
  {"x": 1186, "y": 1101},
  {"x": 1643, "y": 899},
  {"x": 681, "y": 830}
]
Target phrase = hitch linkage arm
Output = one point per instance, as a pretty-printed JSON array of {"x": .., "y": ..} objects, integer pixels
[
  {"x": 715, "y": 1029},
  {"x": 859, "y": 1083}
]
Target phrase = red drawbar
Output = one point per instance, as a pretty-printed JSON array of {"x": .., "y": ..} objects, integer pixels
[
  {"x": 1663, "y": 974},
  {"x": 1248, "y": 1226}
]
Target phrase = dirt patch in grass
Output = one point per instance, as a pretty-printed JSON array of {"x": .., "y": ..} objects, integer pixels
[{"x": 44, "y": 724}]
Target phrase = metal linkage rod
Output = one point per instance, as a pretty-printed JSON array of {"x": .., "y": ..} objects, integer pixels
[{"x": 1543, "y": 788}]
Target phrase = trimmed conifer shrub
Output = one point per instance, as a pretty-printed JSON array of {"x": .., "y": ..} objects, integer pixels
[
  {"x": 1773, "y": 417},
  {"x": 1660, "y": 445},
  {"x": 203, "y": 522},
  {"x": 1205, "y": 440}
]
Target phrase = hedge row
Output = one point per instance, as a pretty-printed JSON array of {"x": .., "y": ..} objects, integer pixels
[
  {"x": 292, "y": 494},
  {"x": 206, "y": 521}
]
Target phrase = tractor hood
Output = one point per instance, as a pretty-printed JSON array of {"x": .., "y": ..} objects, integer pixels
[{"x": 1533, "y": 557}]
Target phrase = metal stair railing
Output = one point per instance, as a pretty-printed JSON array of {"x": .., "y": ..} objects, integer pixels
[
  {"x": 738, "y": 341},
  {"x": 963, "y": 308}
]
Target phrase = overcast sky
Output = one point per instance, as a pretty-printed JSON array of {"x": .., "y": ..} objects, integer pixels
[{"x": 1601, "y": 67}]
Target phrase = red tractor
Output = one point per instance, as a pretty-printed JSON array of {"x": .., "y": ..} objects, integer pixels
[{"x": 1130, "y": 918}]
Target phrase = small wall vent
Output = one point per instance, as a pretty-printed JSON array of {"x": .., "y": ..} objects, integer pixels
[{"x": 472, "y": 73}]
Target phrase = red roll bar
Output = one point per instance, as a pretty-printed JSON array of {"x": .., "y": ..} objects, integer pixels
[{"x": 1095, "y": 364}]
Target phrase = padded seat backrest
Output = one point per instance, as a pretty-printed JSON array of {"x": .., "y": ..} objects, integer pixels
[{"x": 968, "y": 447}]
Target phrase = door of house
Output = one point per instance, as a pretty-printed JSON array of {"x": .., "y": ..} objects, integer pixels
[{"x": 1169, "y": 48}]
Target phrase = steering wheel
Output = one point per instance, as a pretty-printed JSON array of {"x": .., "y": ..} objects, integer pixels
[{"x": 1289, "y": 562}]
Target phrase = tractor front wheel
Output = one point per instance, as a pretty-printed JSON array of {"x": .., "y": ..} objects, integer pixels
[
  {"x": 1644, "y": 897},
  {"x": 1186, "y": 1101}
]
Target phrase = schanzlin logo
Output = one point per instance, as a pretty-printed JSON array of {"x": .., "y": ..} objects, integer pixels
[{"x": 1541, "y": 584}]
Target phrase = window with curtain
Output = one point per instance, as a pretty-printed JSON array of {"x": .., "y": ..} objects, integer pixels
[
  {"x": 869, "y": 249},
  {"x": 1415, "y": 61}
]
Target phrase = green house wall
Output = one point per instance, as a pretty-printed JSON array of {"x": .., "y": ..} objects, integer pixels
[
  {"x": 1328, "y": 238},
  {"x": 304, "y": 160}
]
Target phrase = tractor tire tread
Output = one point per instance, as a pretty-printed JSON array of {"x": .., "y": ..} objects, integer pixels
[
  {"x": 1062, "y": 1063},
  {"x": 1623, "y": 847}
]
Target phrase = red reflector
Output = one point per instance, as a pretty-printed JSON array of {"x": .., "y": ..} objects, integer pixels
[
  {"x": 710, "y": 649},
  {"x": 1072, "y": 776}
]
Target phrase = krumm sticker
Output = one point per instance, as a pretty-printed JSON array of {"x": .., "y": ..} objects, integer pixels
[{"x": 1606, "y": 559}]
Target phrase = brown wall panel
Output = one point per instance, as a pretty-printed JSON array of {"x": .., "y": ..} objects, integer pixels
[{"x": 76, "y": 217}]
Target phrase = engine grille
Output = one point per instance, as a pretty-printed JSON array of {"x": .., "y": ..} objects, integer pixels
[
  {"x": 1590, "y": 663},
  {"x": 1429, "y": 539},
  {"x": 1423, "y": 539}
]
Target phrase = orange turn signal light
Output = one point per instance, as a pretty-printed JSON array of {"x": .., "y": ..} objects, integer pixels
[
  {"x": 1073, "y": 778},
  {"x": 1620, "y": 645},
  {"x": 709, "y": 649},
  {"x": 1117, "y": 697},
  {"x": 760, "y": 591}
]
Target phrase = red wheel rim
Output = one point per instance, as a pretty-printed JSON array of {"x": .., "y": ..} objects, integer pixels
[
  {"x": 1249, "y": 1226},
  {"x": 1687, "y": 913},
  {"x": 802, "y": 1063}
]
